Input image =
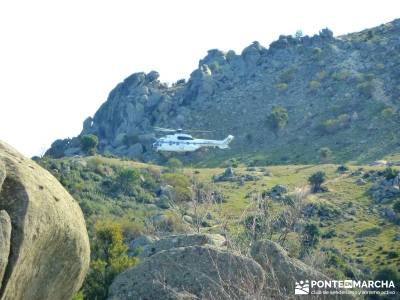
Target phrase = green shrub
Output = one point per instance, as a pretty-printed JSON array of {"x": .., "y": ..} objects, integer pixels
[
  {"x": 342, "y": 168},
  {"x": 320, "y": 75},
  {"x": 173, "y": 164},
  {"x": 316, "y": 180},
  {"x": 281, "y": 86},
  {"x": 396, "y": 206},
  {"x": 325, "y": 154},
  {"x": 278, "y": 118},
  {"x": 387, "y": 113},
  {"x": 314, "y": 85},
  {"x": 172, "y": 223},
  {"x": 317, "y": 52},
  {"x": 390, "y": 173},
  {"x": 310, "y": 238},
  {"x": 287, "y": 75},
  {"x": 181, "y": 184},
  {"x": 127, "y": 180},
  {"x": 366, "y": 89},
  {"x": 329, "y": 234},
  {"x": 371, "y": 231},
  {"x": 334, "y": 125},
  {"x": 109, "y": 258},
  {"x": 392, "y": 255},
  {"x": 341, "y": 75},
  {"x": 89, "y": 144}
]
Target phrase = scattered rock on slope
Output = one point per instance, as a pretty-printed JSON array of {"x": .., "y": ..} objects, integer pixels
[{"x": 49, "y": 246}]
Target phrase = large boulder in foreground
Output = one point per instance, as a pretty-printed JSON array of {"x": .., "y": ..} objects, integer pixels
[
  {"x": 43, "y": 229},
  {"x": 5, "y": 238},
  {"x": 192, "y": 272}
]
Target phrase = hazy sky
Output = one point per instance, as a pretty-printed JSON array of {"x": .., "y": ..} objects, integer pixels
[{"x": 60, "y": 59}]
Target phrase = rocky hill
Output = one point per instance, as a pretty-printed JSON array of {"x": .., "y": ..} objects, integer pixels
[{"x": 341, "y": 92}]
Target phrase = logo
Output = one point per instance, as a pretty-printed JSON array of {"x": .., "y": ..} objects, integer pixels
[
  {"x": 339, "y": 287},
  {"x": 302, "y": 288}
]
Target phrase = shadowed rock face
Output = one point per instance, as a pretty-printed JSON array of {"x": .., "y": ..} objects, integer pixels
[{"x": 44, "y": 246}]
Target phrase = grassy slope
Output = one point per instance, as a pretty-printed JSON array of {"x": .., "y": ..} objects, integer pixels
[{"x": 344, "y": 194}]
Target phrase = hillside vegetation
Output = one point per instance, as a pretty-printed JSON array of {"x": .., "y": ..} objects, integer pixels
[{"x": 354, "y": 213}]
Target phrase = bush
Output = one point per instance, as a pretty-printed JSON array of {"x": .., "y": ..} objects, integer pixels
[
  {"x": 174, "y": 164},
  {"x": 287, "y": 75},
  {"x": 320, "y": 75},
  {"x": 342, "y": 168},
  {"x": 127, "y": 180},
  {"x": 341, "y": 75},
  {"x": 325, "y": 153},
  {"x": 334, "y": 125},
  {"x": 314, "y": 85},
  {"x": 390, "y": 173},
  {"x": 329, "y": 234},
  {"x": 371, "y": 231},
  {"x": 172, "y": 223},
  {"x": 181, "y": 184},
  {"x": 392, "y": 254},
  {"x": 310, "y": 238},
  {"x": 109, "y": 258},
  {"x": 366, "y": 89},
  {"x": 281, "y": 86},
  {"x": 278, "y": 118},
  {"x": 316, "y": 180},
  {"x": 396, "y": 206},
  {"x": 317, "y": 52},
  {"x": 387, "y": 113},
  {"x": 89, "y": 144}
]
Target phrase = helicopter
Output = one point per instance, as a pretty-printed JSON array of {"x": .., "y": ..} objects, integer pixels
[{"x": 182, "y": 142}]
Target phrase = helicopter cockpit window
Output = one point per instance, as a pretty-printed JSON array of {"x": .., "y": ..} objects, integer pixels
[{"x": 184, "y": 138}]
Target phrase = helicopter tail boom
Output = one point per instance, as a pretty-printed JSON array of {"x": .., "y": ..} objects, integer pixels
[{"x": 225, "y": 143}]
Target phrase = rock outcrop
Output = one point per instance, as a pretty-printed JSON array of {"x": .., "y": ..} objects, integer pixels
[
  {"x": 44, "y": 246},
  {"x": 190, "y": 272},
  {"x": 339, "y": 92}
]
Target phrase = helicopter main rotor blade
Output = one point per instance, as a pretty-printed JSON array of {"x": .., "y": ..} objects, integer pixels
[
  {"x": 165, "y": 129},
  {"x": 196, "y": 130},
  {"x": 180, "y": 130}
]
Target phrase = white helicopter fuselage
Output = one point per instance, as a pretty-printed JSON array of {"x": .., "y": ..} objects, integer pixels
[{"x": 180, "y": 142}]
